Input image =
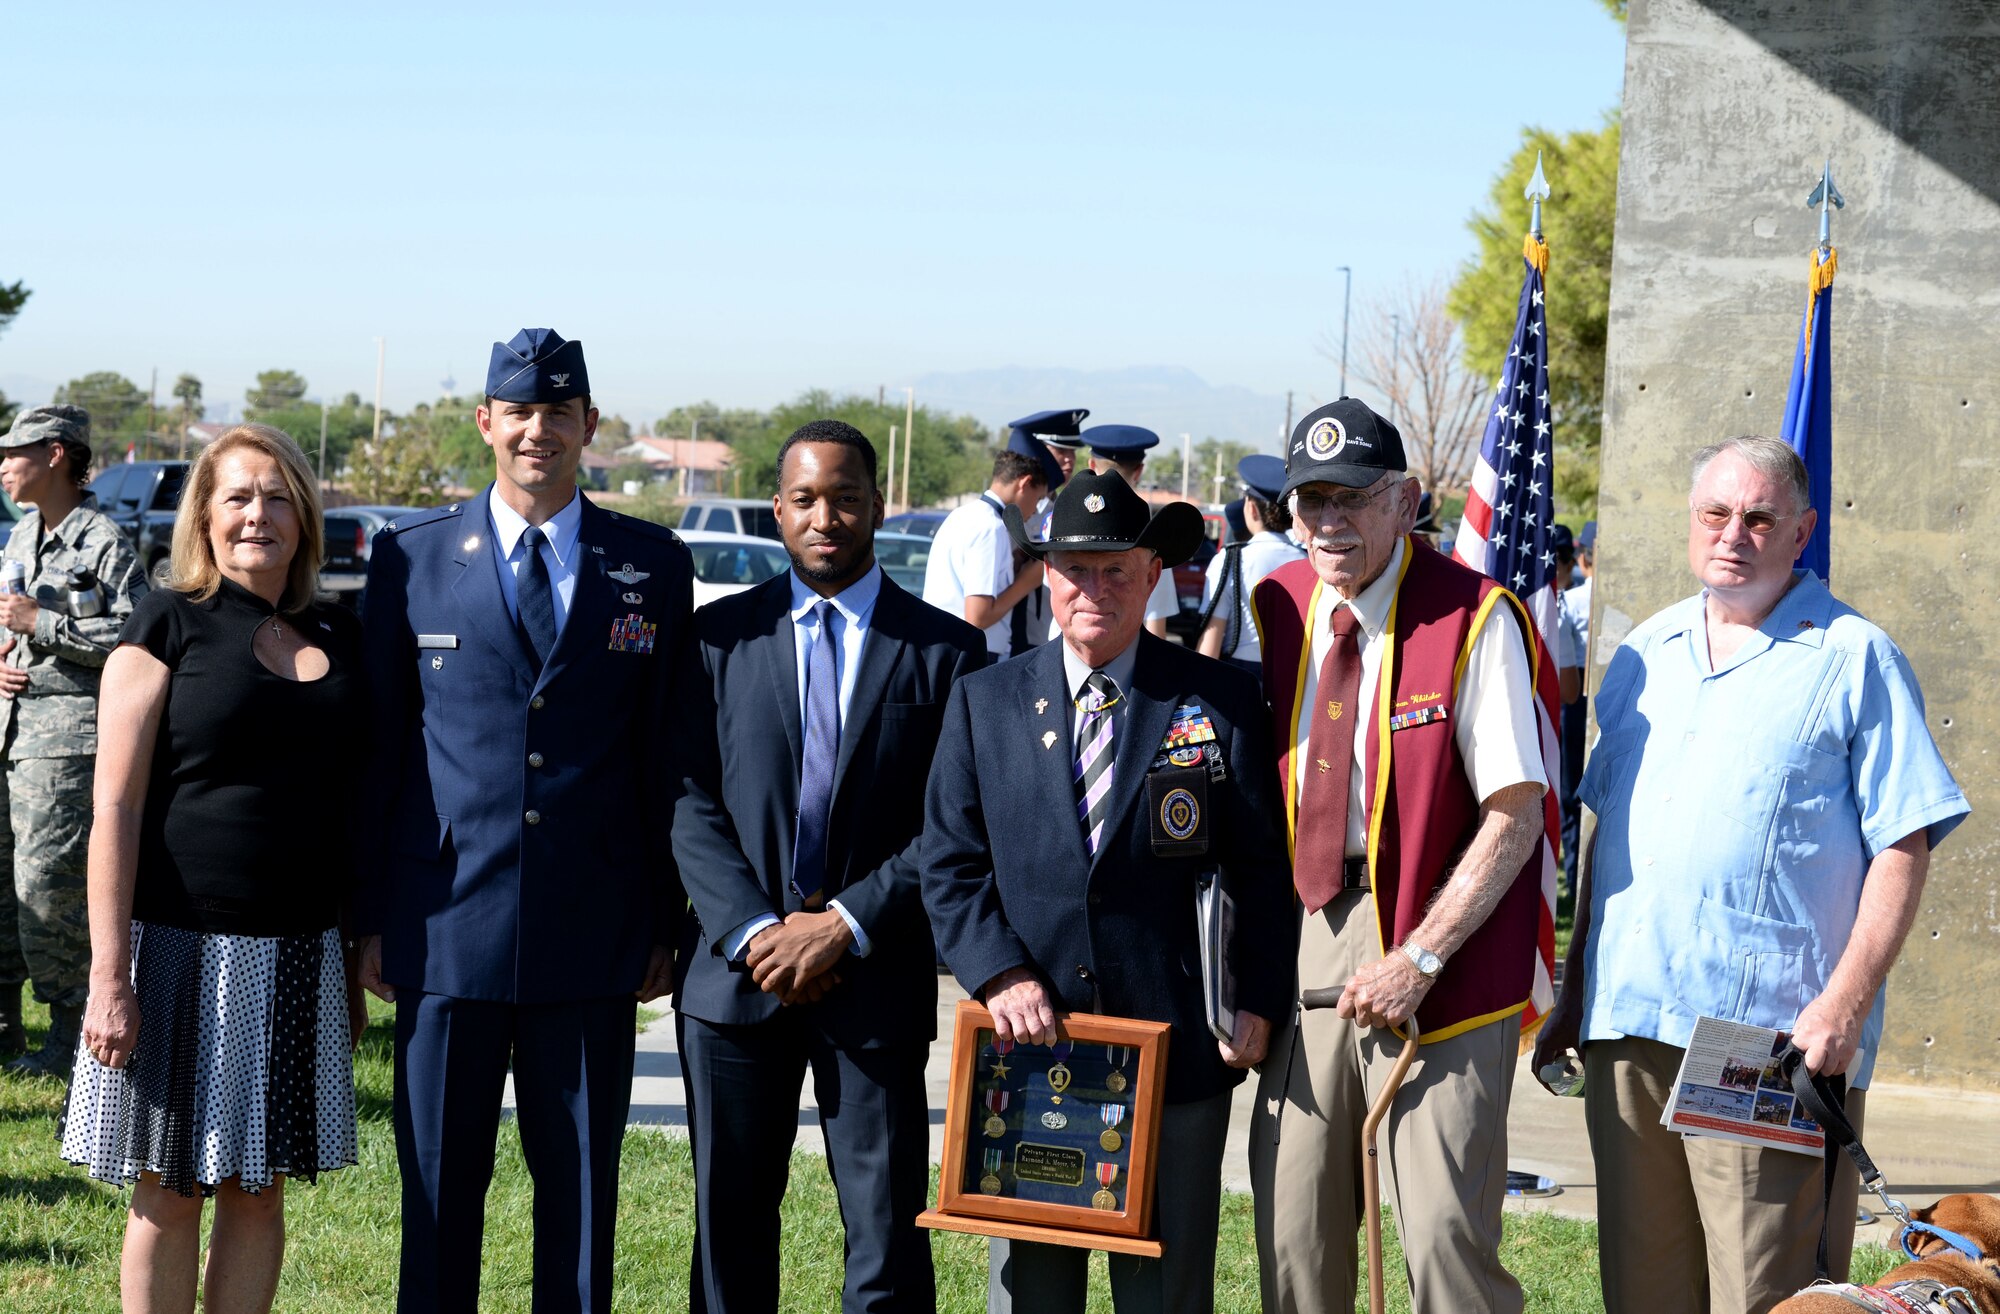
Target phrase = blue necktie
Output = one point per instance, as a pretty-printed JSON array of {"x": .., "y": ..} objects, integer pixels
[
  {"x": 822, "y": 752},
  {"x": 537, "y": 599}
]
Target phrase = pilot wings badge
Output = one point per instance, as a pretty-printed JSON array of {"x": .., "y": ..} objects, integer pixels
[{"x": 629, "y": 575}]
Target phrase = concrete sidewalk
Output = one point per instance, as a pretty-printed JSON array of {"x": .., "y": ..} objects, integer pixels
[{"x": 1928, "y": 1143}]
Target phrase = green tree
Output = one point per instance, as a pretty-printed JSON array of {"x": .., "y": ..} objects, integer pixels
[
  {"x": 450, "y": 430},
  {"x": 276, "y": 390},
  {"x": 348, "y": 422},
  {"x": 12, "y": 297},
  {"x": 1617, "y": 8},
  {"x": 613, "y": 431},
  {"x": 117, "y": 406},
  {"x": 404, "y": 469},
  {"x": 1582, "y": 169},
  {"x": 187, "y": 391},
  {"x": 706, "y": 420},
  {"x": 953, "y": 453}
]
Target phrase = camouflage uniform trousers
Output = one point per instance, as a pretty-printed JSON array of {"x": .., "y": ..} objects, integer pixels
[{"x": 44, "y": 928}]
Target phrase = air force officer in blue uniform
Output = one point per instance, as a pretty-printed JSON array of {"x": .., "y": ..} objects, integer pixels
[{"x": 521, "y": 892}]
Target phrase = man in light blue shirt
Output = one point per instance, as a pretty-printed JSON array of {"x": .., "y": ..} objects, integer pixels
[{"x": 1767, "y": 797}]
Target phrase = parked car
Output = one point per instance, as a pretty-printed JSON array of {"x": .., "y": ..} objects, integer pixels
[
  {"x": 923, "y": 524},
  {"x": 903, "y": 558},
  {"x": 730, "y": 563},
  {"x": 730, "y": 515},
  {"x": 142, "y": 497},
  {"x": 350, "y": 530}
]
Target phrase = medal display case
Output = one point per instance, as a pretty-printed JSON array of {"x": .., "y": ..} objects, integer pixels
[{"x": 1054, "y": 1143}]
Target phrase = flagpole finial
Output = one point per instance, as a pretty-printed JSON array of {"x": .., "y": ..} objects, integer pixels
[
  {"x": 1828, "y": 198},
  {"x": 1538, "y": 187}
]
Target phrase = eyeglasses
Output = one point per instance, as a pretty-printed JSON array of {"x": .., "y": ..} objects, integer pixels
[
  {"x": 1758, "y": 520},
  {"x": 1348, "y": 501}
]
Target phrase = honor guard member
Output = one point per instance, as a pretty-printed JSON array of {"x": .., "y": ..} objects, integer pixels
[
  {"x": 1410, "y": 752},
  {"x": 522, "y": 897},
  {"x": 1122, "y": 448},
  {"x": 971, "y": 572},
  {"x": 71, "y": 580},
  {"x": 798, "y": 839},
  {"x": 1229, "y": 630},
  {"x": 1153, "y": 753},
  {"x": 1050, "y": 437}
]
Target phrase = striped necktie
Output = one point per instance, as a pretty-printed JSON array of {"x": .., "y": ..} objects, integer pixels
[{"x": 1093, "y": 757}]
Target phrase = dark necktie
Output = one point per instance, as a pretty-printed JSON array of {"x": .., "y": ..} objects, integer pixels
[
  {"x": 821, "y": 753},
  {"x": 1320, "y": 847},
  {"x": 537, "y": 599},
  {"x": 1093, "y": 757}
]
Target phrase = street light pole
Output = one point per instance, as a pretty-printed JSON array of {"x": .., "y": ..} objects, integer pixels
[
  {"x": 1346, "y": 304},
  {"x": 909, "y": 432}
]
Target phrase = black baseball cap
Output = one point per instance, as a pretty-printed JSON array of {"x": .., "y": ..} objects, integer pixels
[{"x": 1342, "y": 442}]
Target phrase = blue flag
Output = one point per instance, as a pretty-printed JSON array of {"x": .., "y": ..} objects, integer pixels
[{"x": 1809, "y": 406}]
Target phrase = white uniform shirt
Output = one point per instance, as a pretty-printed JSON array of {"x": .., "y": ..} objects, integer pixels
[
  {"x": 972, "y": 556},
  {"x": 1498, "y": 739},
  {"x": 1263, "y": 554},
  {"x": 558, "y": 552}
]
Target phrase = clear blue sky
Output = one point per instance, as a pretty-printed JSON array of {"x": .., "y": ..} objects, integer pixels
[{"x": 740, "y": 202}]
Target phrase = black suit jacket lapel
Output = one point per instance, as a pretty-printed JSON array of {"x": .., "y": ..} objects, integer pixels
[
  {"x": 1153, "y": 701},
  {"x": 1054, "y": 759},
  {"x": 880, "y": 652},
  {"x": 777, "y": 647},
  {"x": 477, "y": 588}
]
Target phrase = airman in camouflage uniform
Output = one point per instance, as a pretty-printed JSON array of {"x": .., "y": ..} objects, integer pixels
[{"x": 53, "y": 644}]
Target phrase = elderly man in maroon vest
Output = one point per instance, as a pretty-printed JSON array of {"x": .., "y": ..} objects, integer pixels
[{"x": 1401, "y": 688}]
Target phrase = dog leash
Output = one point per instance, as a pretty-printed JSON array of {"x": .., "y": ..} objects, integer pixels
[
  {"x": 1824, "y": 1099},
  {"x": 1917, "y": 1296}
]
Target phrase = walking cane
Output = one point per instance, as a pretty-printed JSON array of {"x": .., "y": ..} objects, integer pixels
[{"x": 1371, "y": 1178}]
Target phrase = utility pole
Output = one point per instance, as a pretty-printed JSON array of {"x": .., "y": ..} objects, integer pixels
[
  {"x": 889, "y": 497},
  {"x": 322, "y": 442},
  {"x": 1187, "y": 457},
  {"x": 152, "y": 393},
  {"x": 909, "y": 432},
  {"x": 1395, "y": 364},
  {"x": 381, "y": 354},
  {"x": 1285, "y": 434},
  {"x": 1346, "y": 304}
]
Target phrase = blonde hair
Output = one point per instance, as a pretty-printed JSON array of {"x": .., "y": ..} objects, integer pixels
[{"x": 193, "y": 570}]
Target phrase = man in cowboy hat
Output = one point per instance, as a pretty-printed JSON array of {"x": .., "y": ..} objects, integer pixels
[{"x": 1098, "y": 915}]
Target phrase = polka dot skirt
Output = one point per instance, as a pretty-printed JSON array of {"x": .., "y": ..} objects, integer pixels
[{"x": 243, "y": 1067}]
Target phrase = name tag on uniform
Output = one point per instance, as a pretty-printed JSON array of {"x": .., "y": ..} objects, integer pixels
[
  {"x": 1177, "y": 806},
  {"x": 437, "y": 640}
]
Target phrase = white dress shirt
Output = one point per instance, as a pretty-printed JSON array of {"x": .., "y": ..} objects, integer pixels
[
  {"x": 558, "y": 551},
  {"x": 854, "y": 609},
  {"x": 1498, "y": 739}
]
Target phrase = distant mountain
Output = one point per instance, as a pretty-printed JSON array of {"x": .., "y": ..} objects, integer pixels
[{"x": 1167, "y": 399}]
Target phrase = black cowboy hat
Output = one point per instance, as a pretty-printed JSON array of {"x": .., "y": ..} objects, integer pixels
[{"x": 1100, "y": 513}]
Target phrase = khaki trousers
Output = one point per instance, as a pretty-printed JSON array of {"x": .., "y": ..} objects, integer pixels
[
  {"x": 1443, "y": 1145},
  {"x": 1689, "y": 1224}
]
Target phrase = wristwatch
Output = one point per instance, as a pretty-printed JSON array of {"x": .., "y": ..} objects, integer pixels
[{"x": 1422, "y": 959}]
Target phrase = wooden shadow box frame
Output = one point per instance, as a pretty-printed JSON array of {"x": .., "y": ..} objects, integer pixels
[{"x": 1127, "y": 1230}]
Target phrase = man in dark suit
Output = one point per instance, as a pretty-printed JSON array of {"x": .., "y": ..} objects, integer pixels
[
  {"x": 521, "y": 891},
  {"x": 1058, "y": 880},
  {"x": 811, "y": 712}
]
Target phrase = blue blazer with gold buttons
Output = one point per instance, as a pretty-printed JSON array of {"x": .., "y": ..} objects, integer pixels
[{"x": 517, "y": 842}]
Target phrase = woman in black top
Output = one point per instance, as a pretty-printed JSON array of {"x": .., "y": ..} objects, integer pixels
[{"x": 217, "y": 1044}]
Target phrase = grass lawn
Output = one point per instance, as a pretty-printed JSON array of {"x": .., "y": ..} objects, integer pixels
[{"x": 60, "y": 1232}]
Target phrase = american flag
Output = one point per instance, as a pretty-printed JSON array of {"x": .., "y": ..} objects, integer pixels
[{"x": 1505, "y": 534}]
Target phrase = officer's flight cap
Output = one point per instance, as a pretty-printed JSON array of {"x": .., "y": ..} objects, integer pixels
[
  {"x": 537, "y": 365},
  {"x": 1033, "y": 435}
]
